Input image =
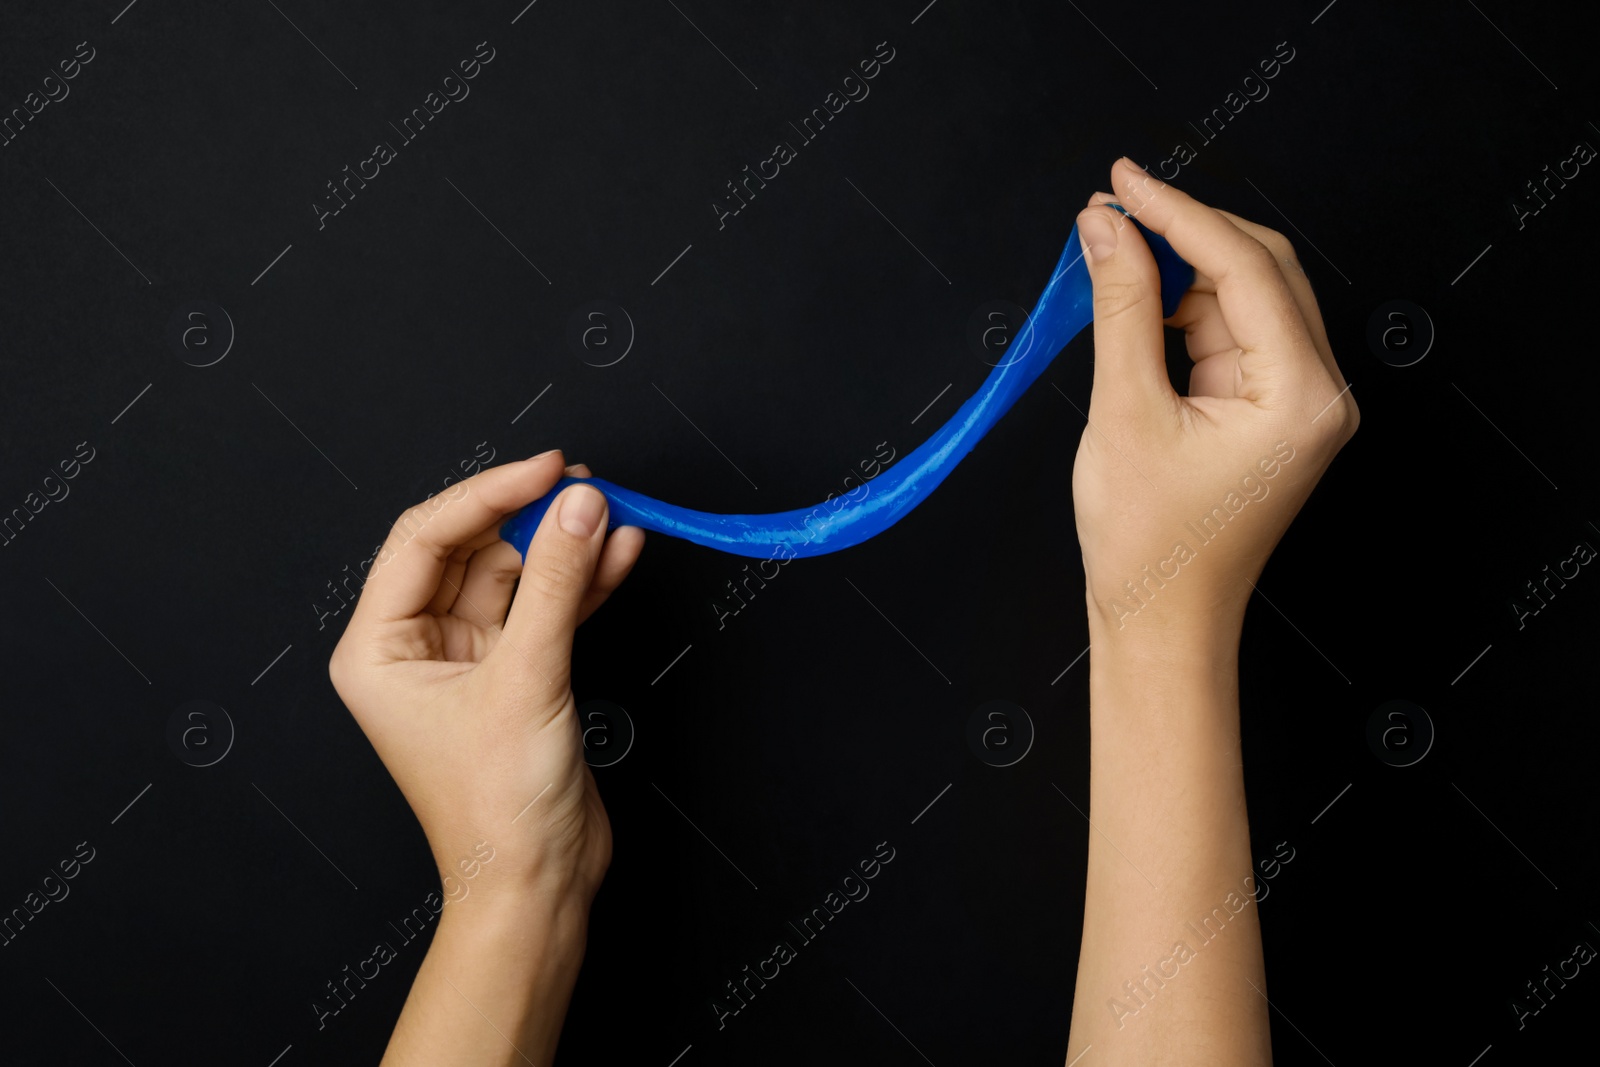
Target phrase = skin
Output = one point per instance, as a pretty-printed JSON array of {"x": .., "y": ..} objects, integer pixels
[
  {"x": 1167, "y": 802},
  {"x": 456, "y": 664},
  {"x": 464, "y": 691}
]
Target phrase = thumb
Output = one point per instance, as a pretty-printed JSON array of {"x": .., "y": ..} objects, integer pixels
[
  {"x": 556, "y": 573},
  {"x": 1130, "y": 363}
]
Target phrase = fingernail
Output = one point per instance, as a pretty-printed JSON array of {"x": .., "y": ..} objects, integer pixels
[
  {"x": 579, "y": 510},
  {"x": 1097, "y": 234},
  {"x": 541, "y": 455}
]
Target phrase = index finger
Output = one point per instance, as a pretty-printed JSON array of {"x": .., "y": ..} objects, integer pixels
[
  {"x": 1299, "y": 285},
  {"x": 407, "y": 570},
  {"x": 1254, "y": 297}
]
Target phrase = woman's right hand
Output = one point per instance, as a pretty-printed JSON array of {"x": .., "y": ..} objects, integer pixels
[{"x": 1180, "y": 499}]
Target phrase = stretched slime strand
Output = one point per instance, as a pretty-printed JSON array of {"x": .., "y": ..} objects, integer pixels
[{"x": 1064, "y": 308}]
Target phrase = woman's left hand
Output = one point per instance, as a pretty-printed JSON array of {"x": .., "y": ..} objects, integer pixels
[{"x": 465, "y": 690}]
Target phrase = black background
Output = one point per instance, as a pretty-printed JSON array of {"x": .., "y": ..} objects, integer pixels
[{"x": 814, "y": 325}]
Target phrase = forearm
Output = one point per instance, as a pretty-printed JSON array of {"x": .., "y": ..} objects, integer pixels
[
  {"x": 495, "y": 984},
  {"x": 1171, "y": 959}
]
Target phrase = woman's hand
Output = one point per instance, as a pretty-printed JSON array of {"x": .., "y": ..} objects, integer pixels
[
  {"x": 1180, "y": 500},
  {"x": 466, "y": 696},
  {"x": 464, "y": 690}
]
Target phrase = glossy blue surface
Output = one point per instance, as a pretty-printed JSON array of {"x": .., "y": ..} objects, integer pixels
[{"x": 1064, "y": 308}]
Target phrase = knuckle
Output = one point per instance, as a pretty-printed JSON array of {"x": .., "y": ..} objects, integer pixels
[
  {"x": 339, "y": 668},
  {"x": 405, "y": 526},
  {"x": 1260, "y": 256},
  {"x": 1115, "y": 298},
  {"x": 1277, "y": 244},
  {"x": 555, "y": 571},
  {"x": 1352, "y": 417},
  {"x": 416, "y": 517},
  {"x": 408, "y": 528},
  {"x": 1338, "y": 423}
]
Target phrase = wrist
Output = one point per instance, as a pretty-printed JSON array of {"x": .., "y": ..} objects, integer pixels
[
  {"x": 508, "y": 959},
  {"x": 1180, "y": 677},
  {"x": 558, "y": 863},
  {"x": 1200, "y": 640},
  {"x": 1152, "y": 604},
  {"x": 513, "y": 901},
  {"x": 550, "y": 927}
]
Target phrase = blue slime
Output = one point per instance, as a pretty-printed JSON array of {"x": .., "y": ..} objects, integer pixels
[{"x": 1064, "y": 308}]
